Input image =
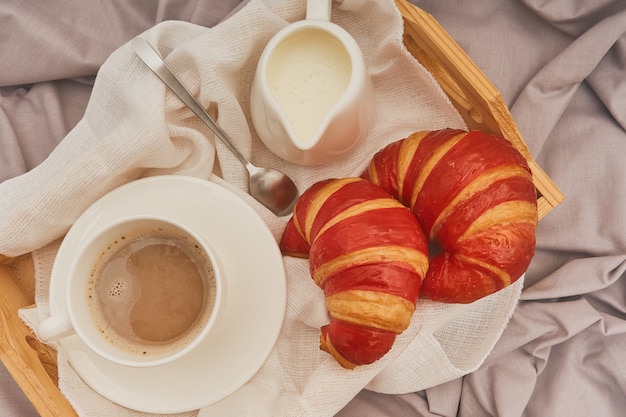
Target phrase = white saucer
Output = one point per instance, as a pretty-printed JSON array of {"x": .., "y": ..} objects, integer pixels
[{"x": 253, "y": 314}]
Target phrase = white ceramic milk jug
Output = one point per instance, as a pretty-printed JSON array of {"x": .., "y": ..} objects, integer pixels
[{"x": 311, "y": 97}]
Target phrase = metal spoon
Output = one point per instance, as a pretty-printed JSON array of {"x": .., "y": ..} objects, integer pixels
[{"x": 270, "y": 187}]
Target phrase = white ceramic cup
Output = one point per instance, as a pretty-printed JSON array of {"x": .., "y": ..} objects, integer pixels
[
  {"x": 79, "y": 317},
  {"x": 311, "y": 99}
]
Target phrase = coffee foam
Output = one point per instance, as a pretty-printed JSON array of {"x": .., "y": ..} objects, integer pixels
[{"x": 114, "y": 292}]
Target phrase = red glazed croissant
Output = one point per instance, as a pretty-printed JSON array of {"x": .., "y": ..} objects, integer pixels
[
  {"x": 473, "y": 194},
  {"x": 368, "y": 254}
]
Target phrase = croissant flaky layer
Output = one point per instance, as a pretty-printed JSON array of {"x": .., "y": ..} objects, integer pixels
[
  {"x": 473, "y": 194},
  {"x": 369, "y": 255}
]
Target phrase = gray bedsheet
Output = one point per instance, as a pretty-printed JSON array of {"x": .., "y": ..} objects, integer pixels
[{"x": 561, "y": 67}]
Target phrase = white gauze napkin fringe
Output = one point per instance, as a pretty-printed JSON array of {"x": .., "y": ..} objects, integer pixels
[{"x": 134, "y": 127}]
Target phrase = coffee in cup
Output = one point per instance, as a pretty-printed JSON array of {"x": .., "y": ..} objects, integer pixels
[
  {"x": 141, "y": 292},
  {"x": 152, "y": 291}
]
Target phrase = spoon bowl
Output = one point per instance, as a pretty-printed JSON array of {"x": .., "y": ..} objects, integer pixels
[{"x": 272, "y": 188}]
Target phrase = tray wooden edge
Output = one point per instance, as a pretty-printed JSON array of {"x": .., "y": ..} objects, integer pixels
[
  {"x": 32, "y": 364},
  {"x": 470, "y": 91}
]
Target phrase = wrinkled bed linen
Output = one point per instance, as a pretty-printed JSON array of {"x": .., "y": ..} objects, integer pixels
[{"x": 561, "y": 67}]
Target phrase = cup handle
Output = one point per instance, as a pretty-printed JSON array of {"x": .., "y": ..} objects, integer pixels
[
  {"x": 318, "y": 10},
  {"x": 55, "y": 327}
]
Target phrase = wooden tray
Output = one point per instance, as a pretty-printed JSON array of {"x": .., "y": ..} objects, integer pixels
[{"x": 33, "y": 364}]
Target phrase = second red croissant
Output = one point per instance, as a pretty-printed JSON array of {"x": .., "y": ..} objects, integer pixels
[{"x": 474, "y": 196}]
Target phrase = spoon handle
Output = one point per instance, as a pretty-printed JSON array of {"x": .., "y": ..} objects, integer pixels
[{"x": 153, "y": 60}]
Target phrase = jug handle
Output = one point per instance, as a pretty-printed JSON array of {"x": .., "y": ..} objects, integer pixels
[{"x": 318, "y": 10}]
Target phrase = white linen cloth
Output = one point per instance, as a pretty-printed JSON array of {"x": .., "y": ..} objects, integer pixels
[{"x": 134, "y": 127}]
